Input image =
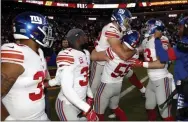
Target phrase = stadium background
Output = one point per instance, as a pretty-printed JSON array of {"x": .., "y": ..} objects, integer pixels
[{"x": 66, "y": 14}]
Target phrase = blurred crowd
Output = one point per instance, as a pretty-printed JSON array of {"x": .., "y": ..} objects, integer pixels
[
  {"x": 91, "y": 28},
  {"x": 62, "y": 20}
]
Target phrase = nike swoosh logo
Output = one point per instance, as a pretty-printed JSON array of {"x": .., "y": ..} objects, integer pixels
[
  {"x": 11, "y": 46},
  {"x": 158, "y": 86}
]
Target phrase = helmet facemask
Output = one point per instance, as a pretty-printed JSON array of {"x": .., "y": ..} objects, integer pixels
[
  {"x": 47, "y": 40},
  {"x": 125, "y": 24}
]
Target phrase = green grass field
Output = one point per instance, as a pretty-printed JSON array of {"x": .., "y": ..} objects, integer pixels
[{"x": 132, "y": 103}]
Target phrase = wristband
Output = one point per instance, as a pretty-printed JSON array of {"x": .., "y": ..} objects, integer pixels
[{"x": 145, "y": 64}]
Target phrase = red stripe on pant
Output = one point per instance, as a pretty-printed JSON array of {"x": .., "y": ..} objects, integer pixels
[
  {"x": 97, "y": 97},
  {"x": 167, "y": 91},
  {"x": 59, "y": 110},
  {"x": 93, "y": 71}
]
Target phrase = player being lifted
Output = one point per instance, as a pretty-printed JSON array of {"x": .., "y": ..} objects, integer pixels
[
  {"x": 160, "y": 80},
  {"x": 75, "y": 95},
  {"x": 110, "y": 37},
  {"x": 108, "y": 93},
  {"x": 24, "y": 69}
]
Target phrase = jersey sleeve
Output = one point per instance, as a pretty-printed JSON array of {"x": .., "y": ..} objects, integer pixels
[
  {"x": 166, "y": 55},
  {"x": 89, "y": 92},
  {"x": 87, "y": 56},
  {"x": 112, "y": 32},
  {"x": 64, "y": 58},
  {"x": 66, "y": 78},
  {"x": 12, "y": 53},
  {"x": 165, "y": 42}
]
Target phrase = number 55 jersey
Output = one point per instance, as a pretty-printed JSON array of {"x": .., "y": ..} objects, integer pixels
[
  {"x": 115, "y": 69},
  {"x": 25, "y": 100}
]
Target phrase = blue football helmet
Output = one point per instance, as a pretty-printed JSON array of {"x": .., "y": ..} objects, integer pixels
[
  {"x": 131, "y": 39},
  {"x": 122, "y": 17},
  {"x": 152, "y": 25},
  {"x": 184, "y": 21},
  {"x": 31, "y": 25},
  {"x": 182, "y": 44}
]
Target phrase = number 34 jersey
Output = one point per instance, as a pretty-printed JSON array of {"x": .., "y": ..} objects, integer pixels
[
  {"x": 115, "y": 70},
  {"x": 25, "y": 100}
]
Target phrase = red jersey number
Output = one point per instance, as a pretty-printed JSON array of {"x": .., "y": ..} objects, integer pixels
[
  {"x": 120, "y": 70},
  {"x": 147, "y": 55},
  {"x": 38, "y": 76},
  {"x": 84, "y": 71}
]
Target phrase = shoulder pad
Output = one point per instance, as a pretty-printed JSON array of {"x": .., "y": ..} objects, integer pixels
[
  {"x": 12, "y": 53},
  {"x": 112, "y": 32},
  {"x": 164, "y": 38},
  {"x": 65, "y": 58}
]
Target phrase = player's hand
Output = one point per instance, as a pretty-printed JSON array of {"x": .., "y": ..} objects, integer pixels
[
  {"x": 90, "y": 100},
  {"x": 135, "y": 62},
  {"x": 91, "y": 115}
]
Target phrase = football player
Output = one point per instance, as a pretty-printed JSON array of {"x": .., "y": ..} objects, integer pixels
[
  {"x": 75, "y": 95},
  {"x": 160, "y": 80},
  {"x": 180, "y": 54},
  {"x": 23, "y": 68},
  {"x": 109, "y": 90},
  {"x": 110, "y": 37}
]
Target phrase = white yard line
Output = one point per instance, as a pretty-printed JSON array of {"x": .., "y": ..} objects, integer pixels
[{"x": 132, "y": 87}]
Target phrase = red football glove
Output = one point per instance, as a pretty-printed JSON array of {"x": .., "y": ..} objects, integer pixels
[
  {"x": 89, "y": 101},
  {"x": 135, "y": 62},
  {"x": 91, "y": 115}
]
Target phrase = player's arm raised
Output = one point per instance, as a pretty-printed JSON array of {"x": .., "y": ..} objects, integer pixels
[{"x": 10, "y": 71}]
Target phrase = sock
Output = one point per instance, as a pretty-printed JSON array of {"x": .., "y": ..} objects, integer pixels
[
  {"x": 134, "y": 80},
  {"x": 120, "y": 114},
  {"x": 171, "y": 118},
  {"x": 143, "y": 89},
  {"x": 151, "y": 114},
  {"x": 101, "y": 117}
]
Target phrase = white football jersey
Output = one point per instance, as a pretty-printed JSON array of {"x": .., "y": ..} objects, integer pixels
[
  {"x": 108, "y": 31},
  {"x": 150, "y": 55},
  {"x": 115, "y": 70},
  {"x": 79, "y": 61},
  {"x": 25, "y": 100}
]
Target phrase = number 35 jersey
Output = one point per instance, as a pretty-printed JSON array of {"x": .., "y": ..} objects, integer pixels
[
  {"x": 150, "y": 55},
  {"x": 79, "y": 62},
  {"x": 115, "y": 70},
  {"x": 25, "y": 100}
]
